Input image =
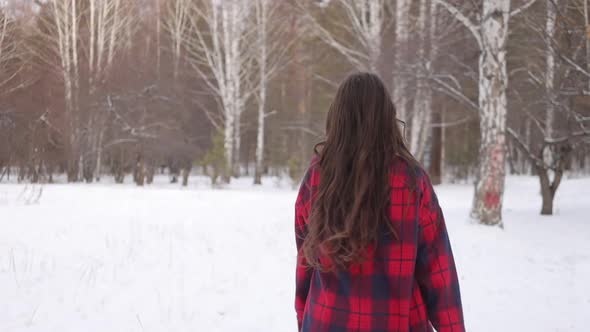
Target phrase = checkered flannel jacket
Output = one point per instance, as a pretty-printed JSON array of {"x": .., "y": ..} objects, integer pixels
[{"x": 406, "y": 284}]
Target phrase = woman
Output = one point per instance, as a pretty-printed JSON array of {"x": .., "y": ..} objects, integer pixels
[{"x": 373, "y": 251}]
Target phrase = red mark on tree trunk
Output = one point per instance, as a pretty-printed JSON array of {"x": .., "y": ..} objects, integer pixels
[{"x": 492, "y": 199}]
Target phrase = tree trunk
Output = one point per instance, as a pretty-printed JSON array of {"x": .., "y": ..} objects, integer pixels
[
  {"x": 97, "y": 168},
  {"x": 260, "y": 137},
  {"x": 402, "y": 31},
  {"x": 237, "y": 145},
  {"x": 150, "y": 173},
  {"x": 526, "y": 164},
  {"x": 261, "y": 22},
  {"x": 422, "y": 116},
  {"x": 229, "y": 145},
  {"x": 548, "y": 187},
  {"x": 373, "y": 25},
  {"x": 139, "y": 172},
  {"x": 436, "y": 151},
  {"x": 186, "y": 171},
  {"x": 546, "y": 191},
  {"x": 493, "y": 82},
  {"x": 550, "y": 67},
  {"x": 587, "y": 24}
]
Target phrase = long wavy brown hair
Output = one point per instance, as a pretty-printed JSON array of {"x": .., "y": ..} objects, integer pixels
[{"x": 351, "y": 203}]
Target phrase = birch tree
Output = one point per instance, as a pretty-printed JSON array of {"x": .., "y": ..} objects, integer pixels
[
  {"x": 177, "y": 24},
  {"x": 8, "y": 50},
  {"x": 551, "y": 102},
  {"x": 107, "y": 21},
  {"x": 491, "y": 34},
  {"x": 218, "y": 53},
  {"x": 550, "y": 66},
  {"x": 561, "y": 127},
  {"x": 402, "y": 35},
  {"x": 586, "y": 15},
  {"x": 85, "y": 56},
  {"x": 272, "y": 46},
  {"x": 262, "y": 39},
  {"x": 59, "y": 33},
  {"x": 11, "y": 50},
  {"x": 422, "y": 110}
]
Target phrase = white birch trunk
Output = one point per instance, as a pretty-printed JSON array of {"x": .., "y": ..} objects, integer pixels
[
  {"x": 262, "y": 26},
  {"x": 550, "y": 67},
  {"x": 92, "y": 14},
  {"x": 74, "y": 50},
  {"x": 74, "y": 37},
  {"x": 366, "y": 18},
  {"x": 233, "y": 29},
  {"x": 98, "y": 167},
  {"x": 422, "y": 115},
  {"x": 114, "y": 30},
  {"x": 587, "y": 23},
  {"x": 374, "y": 27},
  {"x": 550, "y": 80},
  {"x": 443, "y": 140},
  {"x": 62, "y": 18},
  {"x": 101, "y": 37},
  {"x": 158, "y": 38},
  {"x": 178, "y": 25},
  {"x": 493, "y": 82},
  {"x": 526, "y": 162},
  {"x": 402, "y": 31}
]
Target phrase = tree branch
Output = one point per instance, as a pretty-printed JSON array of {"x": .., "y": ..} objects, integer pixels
[
  {"x": 522, "y": 8},
  {"x": 463, "y": 19},
  {"x": 456, "y": 94},
  {"x": 523, "y": 147}
]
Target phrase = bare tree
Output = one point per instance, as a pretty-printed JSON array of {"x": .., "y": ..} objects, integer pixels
[
  {"x": 218, "y": 53},
  {"x": 177, "y": 24},
  {"x": 59, "y": 32},
  {"x": 422, "y": 110},
  {"x": 12, "y": 61},
  {"x": 402, "y": 37},
  {"x": 562, "y": 126},
  {"x": 272, "y": 45},
  {"x": 586, "y": 15},
  {"x": 10, "y": 51},
  {"x": 365, "y": 22},
  {"x": 107, "y": 25},
  {"x": 491, "y": 34},
  {"x": 85, "y": 54}
]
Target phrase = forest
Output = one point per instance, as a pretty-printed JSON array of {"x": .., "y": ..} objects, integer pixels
[{"x": 126, "y": 89}]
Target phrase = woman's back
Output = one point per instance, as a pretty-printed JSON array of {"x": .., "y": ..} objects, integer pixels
[
  {"x": 373, "y": 252},
  {"x": 406, "y": 281}
]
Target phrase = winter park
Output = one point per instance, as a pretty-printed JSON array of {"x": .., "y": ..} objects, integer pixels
[{"x": 152, "y": 153}]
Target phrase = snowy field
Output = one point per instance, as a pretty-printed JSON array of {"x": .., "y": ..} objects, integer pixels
[{"x": 107, "y": 257}]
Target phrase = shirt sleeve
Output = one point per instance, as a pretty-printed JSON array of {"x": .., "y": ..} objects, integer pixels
[
  {"x": 435, "y": 267},
  {"x": 303, "y": 272}
]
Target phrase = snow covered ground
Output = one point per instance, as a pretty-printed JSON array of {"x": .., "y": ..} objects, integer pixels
[{"x": 107, "y": 257}]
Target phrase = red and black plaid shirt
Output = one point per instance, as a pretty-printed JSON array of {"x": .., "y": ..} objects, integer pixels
[{"x": 406, "y": 284}]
